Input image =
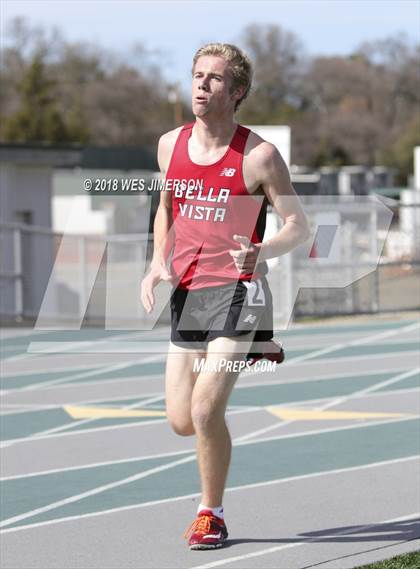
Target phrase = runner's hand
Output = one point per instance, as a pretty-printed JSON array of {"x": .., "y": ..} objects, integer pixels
[
  {"x": 246, "y": 257},
  {"x": 157, "y": 273}
]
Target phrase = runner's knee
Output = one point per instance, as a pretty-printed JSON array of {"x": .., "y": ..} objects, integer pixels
[
  {"x": 205, "y": 416},
  {"x": 182, "y": 427}
]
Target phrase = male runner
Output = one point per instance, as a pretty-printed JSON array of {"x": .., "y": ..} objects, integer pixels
[{"x": 220, "y": 295}]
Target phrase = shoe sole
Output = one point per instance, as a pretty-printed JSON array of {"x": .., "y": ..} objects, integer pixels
[{"x": 207, "y": 546}]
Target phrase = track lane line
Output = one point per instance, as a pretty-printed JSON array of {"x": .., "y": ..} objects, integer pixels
[
  {"x": 340, "y": 400},
  {"x": 304, "y": 541},
  {"x": 238, "y": 386},
  {"x": 109, "y": 486},
  {"x": 247, "y": 409},
  {"x": 82, "y": 375},
  {"x": 231, "y": 489},
  {"x": 364, "y": 340},
  {"x": 180, "y": 452}
]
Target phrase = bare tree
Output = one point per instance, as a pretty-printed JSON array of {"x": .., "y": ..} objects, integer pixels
[
  {"x": 362, "y": 108},
  {"x": 278, "y": 60},
  {"x": 102, "y": 98}
]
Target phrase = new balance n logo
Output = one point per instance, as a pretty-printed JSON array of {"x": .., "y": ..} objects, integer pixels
[
  {"x": 228, "y": 172},
  {"x": 250, "y": 318}
]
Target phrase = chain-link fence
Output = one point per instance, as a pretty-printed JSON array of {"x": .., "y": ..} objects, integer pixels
[
  {"x": 377, "y": 253},
  {"x": 360, "y": 259}
]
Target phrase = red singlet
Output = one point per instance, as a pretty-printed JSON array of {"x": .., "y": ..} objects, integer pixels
[{"x": 210, "y": 204}]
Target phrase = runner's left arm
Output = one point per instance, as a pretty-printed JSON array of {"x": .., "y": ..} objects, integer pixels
[
  {"x": 269, "y": 172},
  {"x": 274, "y": 178}
]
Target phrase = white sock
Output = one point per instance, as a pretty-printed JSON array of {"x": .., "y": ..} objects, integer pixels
[{"x": 216, "y": 511}]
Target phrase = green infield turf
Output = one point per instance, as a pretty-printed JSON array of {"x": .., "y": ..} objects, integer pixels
[{"x": 406, "y": 561}]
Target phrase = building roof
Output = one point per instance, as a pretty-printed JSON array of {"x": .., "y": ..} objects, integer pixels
[{"x": 93, "y": 157}]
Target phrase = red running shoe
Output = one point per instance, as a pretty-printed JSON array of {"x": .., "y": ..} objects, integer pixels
[
  {"x": 274, "y": 352},
  {"x": 206, "y": 532}
]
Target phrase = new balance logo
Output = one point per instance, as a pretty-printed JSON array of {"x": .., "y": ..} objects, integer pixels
[
  {"x": 250, "y": 318},
  {"x": 213, "y": 535},
  {"x": 228, "y": 172}
]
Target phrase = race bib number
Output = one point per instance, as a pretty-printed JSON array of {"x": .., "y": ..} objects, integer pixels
[{"x": 255, "y": 293}]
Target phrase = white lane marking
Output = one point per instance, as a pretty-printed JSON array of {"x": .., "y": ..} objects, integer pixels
[
  {"x": 247, "y": 409},
  {"x": 401, "y": 341},
  {"x": 262, "y": 383},
  {"x": 337, "y": 401},
  {"x": 83, "y": 375},
  {"x": 364, "y": 340},
  {"x": 62, "y": 367},
  {"x": 54, "y": 430},
  {"x": 305, "y": 329},
  {"x": 67, "y": 346},
  {"x": 373, "y": 388},
  {"x": 231, "y": 489},
  {"x": 240, "y": 443},
  {"x": 19, "y": 408},
  {"x": 96, "y": 464},
  {"x": 315, "y": 345},
  {"x": 298, "y": 328},
  {"x": 48, "y": 347},
  {"x": 158, "y": 396},
  {"x": 272, "y": 427},
  {"x": 103, "y": 488},
  {"x": 328, "y": 430},
  {"x": 110, "y": 382},
  {"x": 95, "y": 491},
  {"x": 303, "y": 541},
  {"x": 342, "y": 360},
  {"x": 9, "y": 334},
  {"x": 101, "y": 382},
  {"x": 7, "y": 442},
  {"x": 131, "y": 335},
  {"x": 91, "y": 420},
  {"x": 381, "y": 393},
  {"x": 59, "y": 368},
  {"x": 304, "y": 357},
  {"x": 7, "y": 349},
  {"x": 326, "y": 377}
]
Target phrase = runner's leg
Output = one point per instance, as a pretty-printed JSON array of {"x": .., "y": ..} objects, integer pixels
[
  {"x": 179, "y": 383},
  {"x": 209, "y": 401}
]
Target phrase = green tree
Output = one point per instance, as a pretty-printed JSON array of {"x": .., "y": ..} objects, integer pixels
[
  {"x": 76, "y": 125},
  {"x": 37, "y": 119}
]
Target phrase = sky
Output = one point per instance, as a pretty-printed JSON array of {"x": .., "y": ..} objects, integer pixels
[{"x": 178, "y": 28}]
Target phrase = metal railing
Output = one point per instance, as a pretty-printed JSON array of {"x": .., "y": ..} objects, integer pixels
[{"x": 83, "y": 278}]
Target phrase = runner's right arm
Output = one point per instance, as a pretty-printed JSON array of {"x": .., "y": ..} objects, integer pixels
[
  {"x": 163, "y": 217},
  {"x": 161, "y": 228}
]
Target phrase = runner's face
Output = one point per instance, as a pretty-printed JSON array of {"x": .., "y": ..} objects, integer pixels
[{"x": 211, "y": 86}]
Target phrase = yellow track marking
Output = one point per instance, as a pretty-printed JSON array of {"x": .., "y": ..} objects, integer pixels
[
  {"x": 110, "y": 413},
  {"x": 314, "y": 415},
  {"x": 286, "y": 413}
]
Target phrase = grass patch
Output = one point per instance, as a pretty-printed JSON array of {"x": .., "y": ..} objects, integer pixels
[{"x": 406, "y": 561}]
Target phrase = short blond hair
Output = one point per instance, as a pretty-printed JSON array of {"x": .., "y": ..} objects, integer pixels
[{"x": 240, "y": 65}]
